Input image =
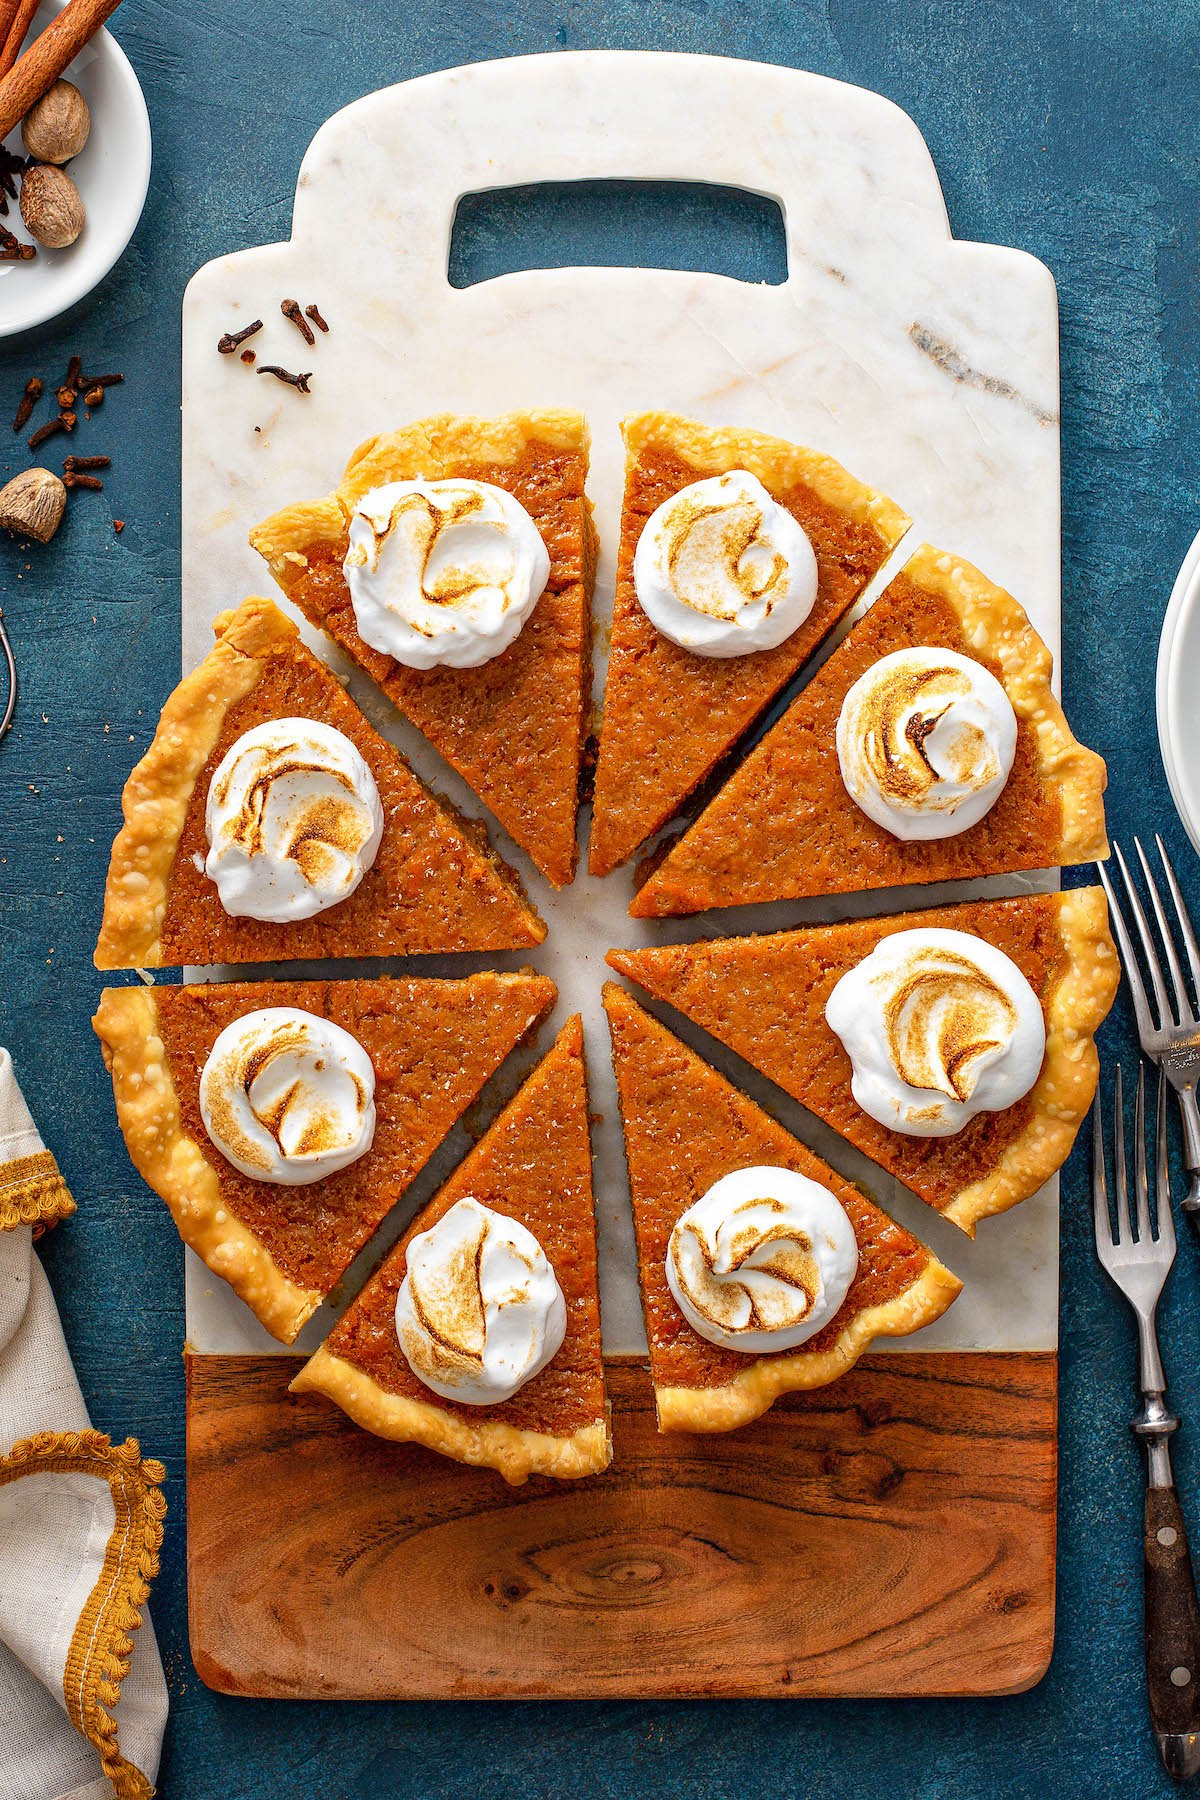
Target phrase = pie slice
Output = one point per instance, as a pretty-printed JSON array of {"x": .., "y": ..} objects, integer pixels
[
  {"x": 670, "y": 715},
  {"x": 432, "y": 1044},
  {"x": 784, "y": 826},
  {"x": 686, "y": 1128},
  {"x": 765, "y": 997},
  {"x": 533, "y": 1165},
  {"x": 514, "y": 727},
  {"x": 434, "y": 884}
]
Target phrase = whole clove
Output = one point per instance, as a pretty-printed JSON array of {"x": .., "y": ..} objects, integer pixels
[
  {"x": 300, "y": 382},
  {"x": 66, "y": 398},
  {"x": 34, "y": 388},
  {"x": 50, "y": 429},
  {"x": 72, "y": 479},
  {"x": 99, "y": 381},
  {"x": 74, "y": 375},
  {"x": 315, "y": 315},
  {"x": 77, "y": 463},
  {"x": 12, "y": 249},
  {"x": 232, "y": 339},
  {"x": 291, "y": 310}
]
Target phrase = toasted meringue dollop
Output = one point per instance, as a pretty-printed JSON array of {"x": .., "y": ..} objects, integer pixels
[
  {"x": 480, "y": 1311},
  {"x": 294, "y": 821},
  {"x": 762, "y": 1261},
  {"x": 288, "y": 1097},
  {"x": 721, "y": 569},
  {"x": 443, "y": 571},
  {"x": 926, "y": 740},
  {"x": 938, "y": 1025}
]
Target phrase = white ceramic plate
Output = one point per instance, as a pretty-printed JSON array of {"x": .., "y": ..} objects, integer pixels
[
  {"x": 112, "y": 172},
  {"x": 1178, "y": 692}
]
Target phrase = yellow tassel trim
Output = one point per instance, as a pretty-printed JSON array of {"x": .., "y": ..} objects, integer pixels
[
  {"x": 33, "y": 1192},
  {"x": 101, "y": 1645}
]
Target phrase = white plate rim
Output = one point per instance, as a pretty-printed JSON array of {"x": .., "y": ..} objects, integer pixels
[
  {"x": 92, "y": 274},
  {"x": 1180, "y": 606}
]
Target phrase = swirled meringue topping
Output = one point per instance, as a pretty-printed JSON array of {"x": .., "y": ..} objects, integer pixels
[
  {"x": 926, "y": 740},
  {"x": 762, "y": 1261},
  {"x": 938, "y": 1025},
  {"x": 294, "y": 821},
  {"x": 288, "y": 1097},
  {"x": 721, "y": 569},
  {"x": 443, "y": 571},
  {"x": 480, "y": 1311}
]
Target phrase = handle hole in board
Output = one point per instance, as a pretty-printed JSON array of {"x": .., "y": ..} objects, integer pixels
[{"x": 688, "y": 225}]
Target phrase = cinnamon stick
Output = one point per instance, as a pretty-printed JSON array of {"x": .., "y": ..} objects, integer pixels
[
  {"x": 16, "y": 33},
  {"x": 42, "y": 64},
  {"x": 8, "y": 13}
]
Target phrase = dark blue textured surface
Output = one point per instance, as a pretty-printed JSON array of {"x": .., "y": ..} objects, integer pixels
[{"x": 1067, "y": 129}]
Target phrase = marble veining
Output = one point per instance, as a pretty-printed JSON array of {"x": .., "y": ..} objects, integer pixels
[{"x": 929, "y": 367}]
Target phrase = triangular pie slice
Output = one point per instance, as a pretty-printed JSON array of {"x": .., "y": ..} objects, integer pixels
[
  {"x": 686, "y": 1127},
  {"x": 784, "y": 826},
  {"x": 765, "y": 997},
  {"x": 432, "y": 1044},
  {"x": 532, "y": 1165},
  {"x": 515, "y": 727},
  {"x": 434, "y": 885},
  {"x": 669, "y": 715}
]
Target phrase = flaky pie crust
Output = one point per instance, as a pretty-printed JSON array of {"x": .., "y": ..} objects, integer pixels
[
  {"x": 761, "y": 1383},
  {"x": 176, "y": 1167},
  {"x": 776, "y": 462},
  {"x": 996, "y": 625},
  {"x": 430, "y": 449},
  {"x": 159, "y": 791},
  {"x": 1065, "y": 1088},
  {"x": 515, "y": 1453}
]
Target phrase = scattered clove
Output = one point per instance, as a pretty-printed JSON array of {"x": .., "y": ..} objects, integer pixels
[
  {"x": 230, "y": 341},
  {"x": 49, "y": 429},
  {"x": 118, "y": 524},
  {"x": 248, "y": 356},
  {"x": 72, "y": 479},
  {"x": 12, "y": 249},
  {"x": 291, "y": 310},
  {"x": 300, "y": 382},
  {"x": 34, "y": 388},
  {"x": 94, "y": 396},
  {"x": 98, "y": 381},
  {"x": 74, "y": 375},
  {"x": 76, "y": 463},
  {"x": 66, "y": 397},
  {"x": 315, "y": 315}
]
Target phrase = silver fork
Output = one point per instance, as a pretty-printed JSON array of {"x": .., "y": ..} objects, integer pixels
[
  {"x": 1139, "y": 1262},
  {"x": 1169, "y": 1033}
]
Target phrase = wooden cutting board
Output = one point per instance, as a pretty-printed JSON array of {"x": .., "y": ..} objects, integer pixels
[
  {"x": 890, "y": 1535},
  {"x": 894, "y": 1534}
]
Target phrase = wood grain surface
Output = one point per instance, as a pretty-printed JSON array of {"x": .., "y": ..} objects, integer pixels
[{"x": 891, "y": 1535}]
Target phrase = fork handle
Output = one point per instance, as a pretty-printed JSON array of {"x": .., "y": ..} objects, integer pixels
[{"x": 1172, "y": 1635}]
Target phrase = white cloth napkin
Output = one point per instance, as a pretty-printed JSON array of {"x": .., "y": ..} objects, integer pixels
[{"x": 83, "y": 1702}]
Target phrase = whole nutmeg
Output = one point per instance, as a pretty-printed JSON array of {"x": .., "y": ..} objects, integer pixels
[
  {"x": 56, "y": 127},
  {"x": 32, "y": 503},
  {"x": 50, "y": 206}
]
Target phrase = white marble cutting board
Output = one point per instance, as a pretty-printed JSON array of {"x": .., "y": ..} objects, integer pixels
[{"x": 929, "y": 367}]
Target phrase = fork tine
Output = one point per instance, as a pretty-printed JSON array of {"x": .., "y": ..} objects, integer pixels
[
  {"x": 1183, "y": 1003},
  {"x": 1120, "y": 1180},
  {"x": 1141, "y": 1186},
  {"x": 1143, "y": 924},
  {"x": 1162, "y": 1170},
  {"x": 1101, "y": 1217},
  {"x": 1181, "y": 913},
  {"x": 1133, "y": 974}
]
